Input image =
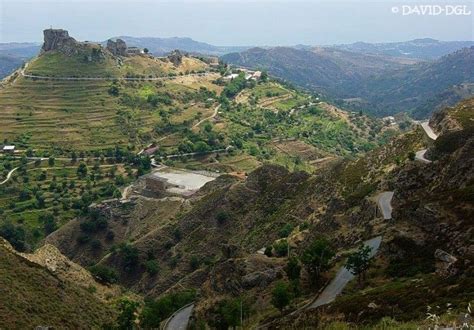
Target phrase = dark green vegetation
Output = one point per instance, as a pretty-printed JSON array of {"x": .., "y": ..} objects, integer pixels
[
  {"x": 42, "y": 195},
  {"x": 160, "y": 309},
  {"x": 376, "y": 83}
]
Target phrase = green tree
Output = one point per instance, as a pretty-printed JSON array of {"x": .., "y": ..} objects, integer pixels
[
  {"x": 232, "y": 311},
  {"x": 194, "y": 262},
  {"x": 128, "y": 315},
  {"x": 222, "y": 217},
  {"x": 14, "y": 234},
  {"x": 51, "y": 161},
  {"x": 129, "y": 255},
  {"x": 25, "y": 194},
  {"x": 152, "y": 267},
  {"x": 316, "y": 259},
  {"x": 162, "y": 308},
  {"x": 49, "y": 224},
  {"x": 286, "y": 230},
  {"x": 82, "y": 170},
  {"x": 293, "y": 269},
  {"x": 411, "y": 156},
  {"x": 104, "y": 274},
  {"x": 281, "y": 296},
  {"x": 281, "y": 248},
  {"x": 359, "y": 261},
  {"x": 268, "y": 251}
]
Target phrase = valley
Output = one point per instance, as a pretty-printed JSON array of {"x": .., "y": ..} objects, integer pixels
[{"x": 166, "y": 192}]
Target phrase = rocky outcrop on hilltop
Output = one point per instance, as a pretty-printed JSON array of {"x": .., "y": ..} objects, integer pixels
[
  {"x": 175, "y": 57},
  {"x": 117, "y": 47},
  {"x": 58, "y": 39}
]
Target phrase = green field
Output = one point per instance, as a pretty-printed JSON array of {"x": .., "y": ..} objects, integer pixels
[{"x": 43, "y": 195}]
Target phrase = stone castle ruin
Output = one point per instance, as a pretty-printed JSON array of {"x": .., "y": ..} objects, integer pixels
[
  {"x": 59, "y": 40},
  {"x": 118, "y": 47}
]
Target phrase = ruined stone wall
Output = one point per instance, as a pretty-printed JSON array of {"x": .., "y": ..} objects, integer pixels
[
  {"x": 58, "y": 39},
  {"x": 118, "y": 47}
]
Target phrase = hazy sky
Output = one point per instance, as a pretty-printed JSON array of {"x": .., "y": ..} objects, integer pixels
[{"x": 237, "y": 22}]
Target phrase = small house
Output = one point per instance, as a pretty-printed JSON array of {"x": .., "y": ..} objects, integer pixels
[
  {"x": 9, "y": 149},
  {"x": 134, "y": 51},
  {"x": 257, "y": 75}
]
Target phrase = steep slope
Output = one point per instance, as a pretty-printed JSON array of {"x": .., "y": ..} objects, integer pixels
[
  {"x": 35, "y": 294},
  {"x": 378, "y": 84},
  {"x": 409, "y": 90},
  {"x": 211, "y": 243},
  {"x": 321, "y": 69}
]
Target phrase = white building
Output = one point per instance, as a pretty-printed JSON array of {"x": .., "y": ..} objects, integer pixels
[
  {"x": 231, "y": 76},
  {"x": 9, "y": 149}
]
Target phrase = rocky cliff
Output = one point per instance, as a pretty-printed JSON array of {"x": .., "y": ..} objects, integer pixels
[
  {"x": 117, "y": 47},
  {"x": 58, "y": 39}
]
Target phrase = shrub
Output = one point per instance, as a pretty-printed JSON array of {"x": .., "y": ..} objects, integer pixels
[
  {"x": 96, "y": 244},
  {"x": 316, "y": 259},
  {"x": 281, "y": 248},
  {"x": 157, "y": 310},
  {"x": 152, "y": 267},
  {"x": 285, "y": 231},
  {"x": 222, "y": 217},
  {"x": 268, "y": 251},
  {"x": 194, "y": 262},
  {"x": 281, "y": 296},
  {"x": 129, "y": 256},
  {"x": 14, "y": 234},
  {"x": 104, "y": 274}
]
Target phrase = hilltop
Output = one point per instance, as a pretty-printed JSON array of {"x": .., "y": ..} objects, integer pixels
[
  {"x": 87, "y": 120},
  {"x": 82, "y": 96}
]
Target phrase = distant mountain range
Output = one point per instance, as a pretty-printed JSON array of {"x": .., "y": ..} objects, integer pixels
[
  {"x": 12, "y": 55},
  {"x": 377, "y": 83},
  {"x": 161, "y": 46},
  {"x": 424, "y": 49},
  {"x": 382, "y": 78}
]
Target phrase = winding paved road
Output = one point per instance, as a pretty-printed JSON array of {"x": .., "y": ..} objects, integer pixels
[
  {"x": 420, "y": 156},
  {"x": 384, "y": 203},
  {"x": 343, "y": 277},
  {"x": 429, "y": 131},
  {"x": 180, "y": 320}
]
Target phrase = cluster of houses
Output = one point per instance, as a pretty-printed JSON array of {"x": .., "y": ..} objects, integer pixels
[{"x": 249, "y": 75}]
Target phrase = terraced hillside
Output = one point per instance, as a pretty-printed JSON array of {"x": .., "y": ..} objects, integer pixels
[
  {"x": 238, "y": 240},
  {"x": 85, "y": 115}
]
